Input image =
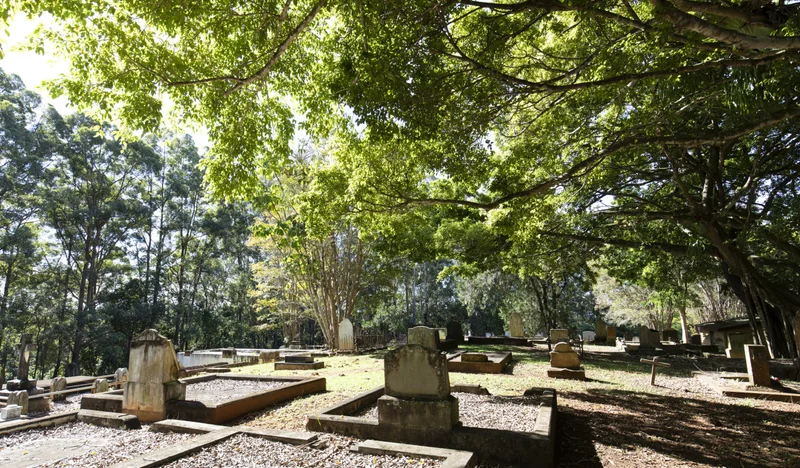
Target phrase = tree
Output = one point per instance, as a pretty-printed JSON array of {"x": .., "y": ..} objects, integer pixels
[{"x": 680, "y": 110}]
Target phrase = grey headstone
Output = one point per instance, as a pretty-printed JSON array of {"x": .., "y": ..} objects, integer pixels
[
  {"x": 515, "y": 326},
  {"x": 59, "y": 384},
  {"x": 416, "y": 371},
  {"x": 424, "y": 336},
  {"x": 588, "y": 336},
  {"x": 19, "y": 398},
  {"x": 100, "y": 385},
  {"x": 454, "y": 331},
  {"x": 757, "y": 357}
]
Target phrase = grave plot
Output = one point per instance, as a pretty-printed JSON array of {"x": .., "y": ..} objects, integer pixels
[
  {"x": 79, "y": 444},
  {"x": 416, "y": 407},
  {"x": 479, "y": 363},
  {"x": 216, "y": 399},
  {"x": 299, "y": 362}
]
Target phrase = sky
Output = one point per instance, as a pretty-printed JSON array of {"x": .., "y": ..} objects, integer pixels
[{"x": 34, "y": 69}]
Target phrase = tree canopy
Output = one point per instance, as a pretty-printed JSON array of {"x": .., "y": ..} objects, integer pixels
[{"x": 665, "y": 125}]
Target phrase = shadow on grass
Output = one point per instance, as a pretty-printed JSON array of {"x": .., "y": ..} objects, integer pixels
[{"x": 693, "y": 430}]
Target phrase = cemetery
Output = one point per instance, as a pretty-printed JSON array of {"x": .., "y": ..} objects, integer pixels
[{"x": 460, "y": 234}]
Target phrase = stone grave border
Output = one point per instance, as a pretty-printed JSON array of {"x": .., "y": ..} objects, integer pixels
[
  {"x": 18, "y": 425},
  {"x": 536, "y": 448},
  {"x": 752, "y": 394},
  {"x": 210, "y": 434},
  {"x": 498, "y": 362},
  {"x": 218, "y": 413}
]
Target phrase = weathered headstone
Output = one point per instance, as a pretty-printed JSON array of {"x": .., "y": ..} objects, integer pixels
[
  {"x": 515, "y": 325},
  {"x": 736, "y": 342},
  {"x": 670, "y": 334},
  {"x": 442, "y": 333},
  {"x": 265, "y": 357},
  {"x": 100, "y": 385},
  {"x": 558, "y": 335},
  {"x": 22, "y": 382},
  {"x": 588, "y": 336},
  {"x": 346, "y": 341},
  {"x": 454, "y": 332},
  {"x": 10, "y": 412},
  {"x": 72, "y": 370},
  {"x": 152, "y": 377},
  {"x": 58, "y": 384},
  {"x": 424, "y": 336},
  {"x": 600, "y": 331},
  {"x": 611, "y": 335},
  {"x": 120, "y": 377},
  {"x": 564, "y": 363},
  {"x": 695, "y": 340},
  {"x": 757, "y": 357},
  {"x": 627, "y": 336},
  {"x": 648, "y": 337},
  {"x": 20, "y": 398},
  {"x": 417, "y": 392}
]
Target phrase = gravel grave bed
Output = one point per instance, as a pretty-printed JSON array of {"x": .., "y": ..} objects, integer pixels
[
  {"x": 333, "y": 452},
  {"x": 511, "y": 413},
  {"x": 83, "y": 445},
  {"x": 220, "y": 390}
]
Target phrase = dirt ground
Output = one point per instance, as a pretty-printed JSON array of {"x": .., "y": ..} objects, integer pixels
[{"x": 615, "y": 419}]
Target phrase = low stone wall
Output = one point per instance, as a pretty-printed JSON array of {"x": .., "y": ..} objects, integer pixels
[{"x": 218, "y": 413}]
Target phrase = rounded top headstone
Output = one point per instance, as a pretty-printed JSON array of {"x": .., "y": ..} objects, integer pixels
[{"x": 562, "y": 348}]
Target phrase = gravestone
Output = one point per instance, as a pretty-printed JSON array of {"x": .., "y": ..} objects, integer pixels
[
  {"x": 417, "y": 392},
  {"x": 59, "y": 384},
  {"x": 564, "y": 363},
  {"x": 346, "y": 341},
  {"x": 695, "y": 340},
  {"x": 22, "y": 382},
  {"x": 100, "y": 386},
  {"x": 515, "y": 326},
  {"x": 627, "y": 337},
  {"x": 559, "y": 334},
  {"x": 670, "y": 334},
  {"x": 424, "y": 336},
  {"x": 72, "y": 370},
  {"x": 736, "y": 342},
  {"x": 757, "y": 357},
  {"x": 10, "y": 412},
  {"x": 265, "y": 357},
  {"x": 152, "y": 377},
  {"x": 20, "y": 398},
  {"x": 648, "y": 337},
  {"x": 588, "y": 336},
  {"x": 299, "y": 358},
  {"x": 611, "y": 335},
  {"x": 454, "y": 332},
  {"x": 600, "y": 331},
  {"x": 120, "y": 377},
  {"x": 442, "y": 333}
]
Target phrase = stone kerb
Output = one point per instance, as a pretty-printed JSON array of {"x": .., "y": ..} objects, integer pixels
[
  {"x": 19, "y": 398},
  {"x": 346, "y": 337},
  {"x": 424, "y": 336},
  {"x": 152, "y": 377}
]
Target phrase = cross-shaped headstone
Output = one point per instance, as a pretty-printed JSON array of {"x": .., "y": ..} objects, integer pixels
[
  {"x": 25, "y": 347},
  {"x": 656, "y": 363}
]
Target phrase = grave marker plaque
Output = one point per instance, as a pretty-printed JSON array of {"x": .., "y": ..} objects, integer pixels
[{"x": 346, "y": 341}]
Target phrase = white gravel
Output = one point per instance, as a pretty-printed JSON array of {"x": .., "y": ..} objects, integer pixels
[
  {"x": 220, "y": 390},
  {"x": 513, "y": 413},
  {"x": 106, "y": 446},
  {"x": 334, "y": 452}
]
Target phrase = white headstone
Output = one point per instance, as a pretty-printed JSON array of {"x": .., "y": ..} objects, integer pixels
[
  {"x": 589, "y": 336},
  {"x": 515, "y": 326},
  {"x": 346, "y": 335},
  {"x": 427, "y": 337}
]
